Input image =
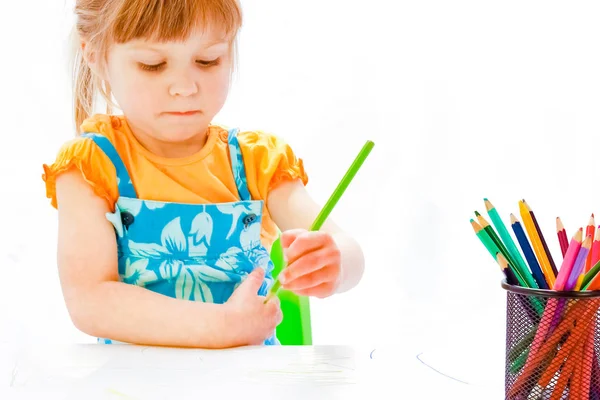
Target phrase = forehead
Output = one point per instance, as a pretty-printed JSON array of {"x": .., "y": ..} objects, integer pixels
[{"x": 197, "y": 39}]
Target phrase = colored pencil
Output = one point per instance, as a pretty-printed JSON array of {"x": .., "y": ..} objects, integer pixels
[
  {"x": 557, "y": 349},
  {"x": 517, "y": 260},
  {"x": 542, "y": 346},
  {"x": 596, "y": 248},
  {"x": 578, "y": 285},
  {"x": 590, "y": 232},
  {"x": 526, "y": 281},
  {"x": 573, "y": 264},
  {"x": 542, "y": 240},
  {"x": 535, "y": 239},
  {"x": 590, "y": 276},
  {"x": 588, "y": 362},
  {"x": 506, "y": 269},
  {"x": 579, "y": 264},
  {"x": 335, "y": 196},
  {"x": 569, "y": 260},
  {"x": 493, "y": 249},
  {"x": 534, "y": 266},
  {"x": 562, "y": 236}
]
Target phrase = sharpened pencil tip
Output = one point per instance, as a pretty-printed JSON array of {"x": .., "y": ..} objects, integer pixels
[{"x": 488, "y": 205}]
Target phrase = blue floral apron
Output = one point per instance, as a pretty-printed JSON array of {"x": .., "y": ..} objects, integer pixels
[{"x": 198, "y": 252}]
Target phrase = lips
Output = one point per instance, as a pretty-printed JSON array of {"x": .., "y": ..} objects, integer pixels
[{"x": 183, "y": 113}]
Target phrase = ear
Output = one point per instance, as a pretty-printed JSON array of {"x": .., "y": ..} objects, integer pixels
[{"x": 93, "y": 61}]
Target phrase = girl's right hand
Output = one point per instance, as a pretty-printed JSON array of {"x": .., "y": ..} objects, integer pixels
[{"x": 252, "y": 320}]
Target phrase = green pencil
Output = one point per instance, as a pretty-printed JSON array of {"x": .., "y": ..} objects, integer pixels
[
  {"x": 589, "y": 276},
  {"x": 518, "y": 261},
  {"x": 490, "y": 231},
  {"x": 492, "y": 248},
  {"x": 333, "y": 199}
]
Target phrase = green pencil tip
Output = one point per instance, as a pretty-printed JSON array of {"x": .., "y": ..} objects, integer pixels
[
  {"x": 476, "y": 213},
  {"x": 485, "y": 199}
]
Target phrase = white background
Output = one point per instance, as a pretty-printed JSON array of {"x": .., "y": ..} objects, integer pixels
[{"x": 463, "y": 99}]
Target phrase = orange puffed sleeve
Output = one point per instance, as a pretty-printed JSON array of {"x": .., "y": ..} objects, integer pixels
[
  {"x": 95, "y": 167},
  {"x": 269, "y": 160}
]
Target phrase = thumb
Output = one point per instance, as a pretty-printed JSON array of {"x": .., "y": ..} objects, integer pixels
[
  {"x": 288, "y": 237},
  {"x": 252, "y": 283}
]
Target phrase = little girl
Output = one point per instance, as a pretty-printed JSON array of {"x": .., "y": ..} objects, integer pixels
[{"x": 165, "y": 219}]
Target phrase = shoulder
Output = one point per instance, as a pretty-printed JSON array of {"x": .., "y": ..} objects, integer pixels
[{"x": 82, "y": 154}]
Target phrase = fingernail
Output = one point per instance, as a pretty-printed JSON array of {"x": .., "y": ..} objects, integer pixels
[{"x": 282, "y": 278}]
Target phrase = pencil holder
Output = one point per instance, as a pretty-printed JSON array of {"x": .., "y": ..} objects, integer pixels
[{"x": 552, "y": 344}]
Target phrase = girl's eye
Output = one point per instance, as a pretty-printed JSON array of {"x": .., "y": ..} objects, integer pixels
[
  {"x": 208, "y": 63},
  {"x": 154, "y": 67}
]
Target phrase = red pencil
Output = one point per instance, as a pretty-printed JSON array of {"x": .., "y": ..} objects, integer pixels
[
  {"x": 596, "y": 248},
  {"x": 562, "y": 236},
  {"x": 589, "y": 232}
]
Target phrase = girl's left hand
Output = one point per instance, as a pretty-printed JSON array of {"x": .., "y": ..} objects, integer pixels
[{"x": 313, "y": 263}]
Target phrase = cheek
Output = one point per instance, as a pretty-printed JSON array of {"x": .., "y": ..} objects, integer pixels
[
  {"x": 135, "y": 93},
  {"x": 218, "y": 87}
]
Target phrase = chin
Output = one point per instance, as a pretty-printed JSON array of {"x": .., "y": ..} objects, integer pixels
[{"x": 174, "y": 133}]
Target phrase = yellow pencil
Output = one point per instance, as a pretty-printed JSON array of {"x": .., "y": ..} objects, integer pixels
[
  {"x": 579, "y": 281},
  {"x": 537, "y": 244}
]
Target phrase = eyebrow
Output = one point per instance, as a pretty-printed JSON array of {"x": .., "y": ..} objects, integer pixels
[{"x": 144, "y": 46}]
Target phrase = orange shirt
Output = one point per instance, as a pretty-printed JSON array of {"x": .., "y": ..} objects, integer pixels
[{"x": 204, "y": 177}]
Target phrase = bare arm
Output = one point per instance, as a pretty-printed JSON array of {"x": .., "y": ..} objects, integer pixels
[
  {"x": 99, "y": 304},
  {"x": 292, "y": 207}
]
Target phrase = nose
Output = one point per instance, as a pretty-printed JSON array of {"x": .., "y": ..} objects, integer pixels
[{"x": 183, "y": 85}]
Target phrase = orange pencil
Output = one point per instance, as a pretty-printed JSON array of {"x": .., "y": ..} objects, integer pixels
[
  {"x": 563, "y": 380},
  {"x": 589, "y": 232},
  {"x": 578, "y": 334},
  {"x": 562, "y": 236},
  {"x": 541, "y": 346},
  {"x": 540, "y": 235},
  {"x": 576, "y": 378},
  {"x": 588, "y": 361},
  {"x": 536, "y": 243}
]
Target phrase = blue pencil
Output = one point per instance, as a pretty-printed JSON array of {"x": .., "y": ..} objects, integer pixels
[{"x": 536, "y": 271}]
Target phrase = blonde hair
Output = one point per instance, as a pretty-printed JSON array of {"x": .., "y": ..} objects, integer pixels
[{"x": 101, "y": 23}]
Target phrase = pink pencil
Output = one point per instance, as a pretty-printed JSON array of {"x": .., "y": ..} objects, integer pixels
[
  {"x": 579, "y": 264},
  {"x": 569, "y": 260}
]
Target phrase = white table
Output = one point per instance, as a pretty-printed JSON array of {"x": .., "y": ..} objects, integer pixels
[{"x": 123, "y": 372}]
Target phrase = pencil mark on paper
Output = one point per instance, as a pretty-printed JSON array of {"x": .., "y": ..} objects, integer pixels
[
  {"x": 439, "y": 372},
  {"x": 13, "y": 377}
]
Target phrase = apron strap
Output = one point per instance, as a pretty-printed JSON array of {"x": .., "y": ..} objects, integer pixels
[
  {"x": 237, "y": 165},
  {"x": 126, "y": 188}
]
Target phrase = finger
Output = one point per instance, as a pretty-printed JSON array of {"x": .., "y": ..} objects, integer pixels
[
  {"x": 305, "y": 243},
  {"x": 274, "y": 302},
  {"x": 321, "y": 291},
  {"x": 288, "y": 237},
  {"x": 309, "y": 263},
  {"x": 252, "y": 283},
  {"x": 315, "y": 278}
]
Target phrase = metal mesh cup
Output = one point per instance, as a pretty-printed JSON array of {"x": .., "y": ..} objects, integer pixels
[{"x": 552, "y": 344}]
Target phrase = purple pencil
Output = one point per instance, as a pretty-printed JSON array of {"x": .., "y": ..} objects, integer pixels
[{"x": 579, "y": 263}]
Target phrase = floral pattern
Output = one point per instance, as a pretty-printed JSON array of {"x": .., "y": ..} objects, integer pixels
[{"x": 197, "y": 252}]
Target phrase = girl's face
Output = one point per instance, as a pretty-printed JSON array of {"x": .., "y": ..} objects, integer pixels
[{"x": 170, "y": 91}]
